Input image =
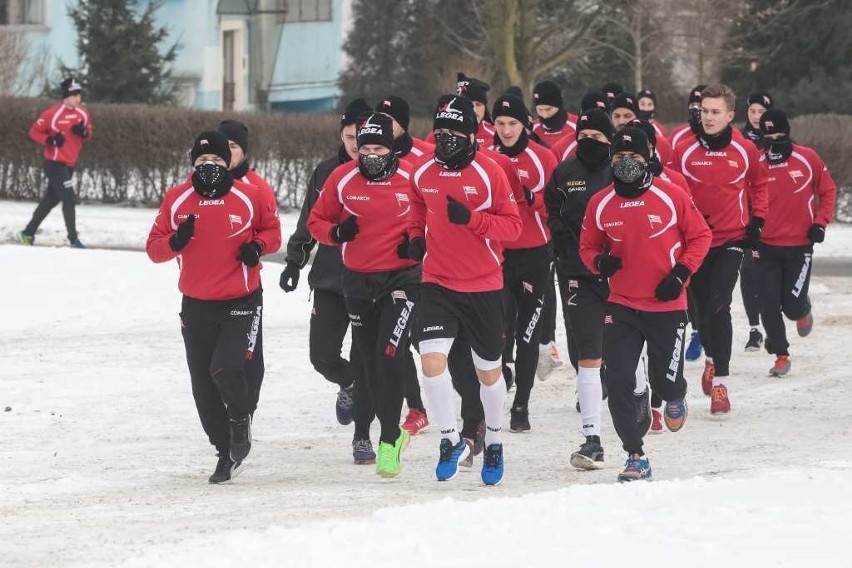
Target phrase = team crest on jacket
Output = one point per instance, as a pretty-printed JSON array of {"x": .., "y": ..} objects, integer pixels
[
  {"x": 654, "y": 220},
  {"x": 470, "y": 191},
  {"x": 235, "y": 220},
  {"x": 403, "y": 202}
]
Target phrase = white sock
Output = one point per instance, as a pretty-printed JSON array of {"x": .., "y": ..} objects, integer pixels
[
  {"x": 439, "y": 393},
  {"x": 590, "y": 391},
  {"x": 641, "y": 377},
  {"x": 758, "y": 327},
  {"x": 718, "y": 381},
  {"x": 709, "y": 360},
  {"x": 493, "y": 399}
]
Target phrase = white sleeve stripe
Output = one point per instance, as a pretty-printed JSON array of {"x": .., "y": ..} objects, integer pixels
[{"x": 487, "y": 203}]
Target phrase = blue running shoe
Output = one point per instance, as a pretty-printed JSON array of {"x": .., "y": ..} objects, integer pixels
[
  {"x": 636, "y": 468},
  {"x": 675, "y": 414},
  {"x": 693, "y": 352},
  {"x": 492, "y": 465},
  {"x": 343, "y": 406},
  {"x": 448, "y": 463},
  {"x": 76, "y": 244}
]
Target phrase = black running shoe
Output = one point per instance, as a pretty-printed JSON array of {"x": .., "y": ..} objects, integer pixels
[
  {"x": 643, "y": 411},
  {"x": 226, "y": 470},
  {"x": 590, "y": 455},
  {"x": 520, "y": 419},
  {"x": 755, "y": 341},
  {"x": 240, "y": 441}
]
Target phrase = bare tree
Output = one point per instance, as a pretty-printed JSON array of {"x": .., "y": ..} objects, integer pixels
[{"x": 21, "y": 66}]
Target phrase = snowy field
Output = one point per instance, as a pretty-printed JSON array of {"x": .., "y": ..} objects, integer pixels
[{"x": 104, "y": 462}]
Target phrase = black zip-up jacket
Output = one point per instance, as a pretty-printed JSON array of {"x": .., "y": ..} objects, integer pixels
[
  {"x": 566, "y": 196},
  {"x": 327, "y": 270}
]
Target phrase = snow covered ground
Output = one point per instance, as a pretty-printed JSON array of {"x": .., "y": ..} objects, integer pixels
[{"x": 104, "y": 462}]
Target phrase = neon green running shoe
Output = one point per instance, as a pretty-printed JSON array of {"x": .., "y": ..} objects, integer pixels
[
  {"x": 389, "y": 461},
  {"x": 25, "y": 239}
]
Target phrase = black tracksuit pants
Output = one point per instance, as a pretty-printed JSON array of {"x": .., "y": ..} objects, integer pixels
[
  {"x": 60, "y": 188},
  {"x": 381, "y": 331},
  {"x": 749, "y": 287},
  {"x": 548, "y": 315},
  {"x": 625, "y": 332},
  {"x": 713, "y": 288},
  {"x": 224, "y": 352},
  {"x": 784, "y": 274},
  {"x": 525, "y": 276},
  {"x": 329, "y": 322}
]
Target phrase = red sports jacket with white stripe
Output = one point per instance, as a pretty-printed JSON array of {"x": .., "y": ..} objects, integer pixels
[
  {"x": 463, "y": 258},
  {"x": 209, "y": 269},
  {"x": 650, "y": 233},
  {"x": 61, "y": 118}
]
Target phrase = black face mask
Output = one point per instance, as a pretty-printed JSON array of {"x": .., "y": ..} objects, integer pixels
[
  {"x": 592, "y": 153},
  {"x": 716, "y": 142},
  {"x": 240, "y": 171},
  {"x": 631, "y": 178},
  {"x": 645, "y": 115},
  {"x": 375, "y": 167},
  {"x": 212, "y": 180},
  {"x": 556, "y": 122},
  {"x": 778, "y": 151},
  {"x": 511, "y": 151},
  {"x": 402, "y": 145},
  {"x": 452, "y": 151}
]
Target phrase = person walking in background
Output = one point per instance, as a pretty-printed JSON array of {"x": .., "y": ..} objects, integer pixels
[
  {"x": 61, "y": 130},
  {"x": 217, "y": 229}
]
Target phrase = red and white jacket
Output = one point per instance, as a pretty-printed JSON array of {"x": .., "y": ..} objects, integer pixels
[
  {"x": 508, "y": 168},
  {"x": 665, "y": 152},
  {"x": 794, "y": 186},
  {"x": 420, "y": 148},
  {"x": 661, "y": 130},
  {"x": 728, "y": 185},
  {"x": 675, "y": 177},
  {"x": 551, "y": 137},
  {"x": 382, "y": 209},
  {"x": 650, "y": 233},
  {"x": 61, "y": 118},
  {"x": 209, "y": 269},
  {"x": 564, "y": 149},
  {"x": 533, "y": 167},
  {"x": 463, "y": 258}
]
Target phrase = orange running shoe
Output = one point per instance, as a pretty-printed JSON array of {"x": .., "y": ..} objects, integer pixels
[
  {"x": 707, "y": 377},
  {"x": 719, "y": 403},
  {"x": 781, "y": 367}
]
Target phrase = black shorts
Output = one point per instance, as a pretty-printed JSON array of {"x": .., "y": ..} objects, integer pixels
[
  {"x": 584, "y": 302},
  {"x": 477, "y": 317}
]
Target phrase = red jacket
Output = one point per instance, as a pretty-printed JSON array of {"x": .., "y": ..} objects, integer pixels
[
  {"x": 651, "y": 233},
  {"x": 463, "y": 258},
  {"x": 61, "y": 118},
  {"x": 793, "y": 187},
  {"x": 729, "y": 185},
  {"x": 209, "y": 269},
  {"x": 552, "y": 137},
  {"x": 534, "y": 166},
  {"x": 511, "y": 173},
  {"x": 564, "y": 149},
  {"x": 253, "y": 178},
  {"x": 661, "y": 130},
  {"x": 382, "y": 209},
  {"x": 420, "y": 148},
  {"x": 664, "y": 151},
  {"x": 675, "y": 177}
]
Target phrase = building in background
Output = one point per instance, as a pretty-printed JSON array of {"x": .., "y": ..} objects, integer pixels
[{"x": 278, "y": 55}]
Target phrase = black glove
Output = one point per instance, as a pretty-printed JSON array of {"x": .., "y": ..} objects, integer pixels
[
  {"x": 402, "y": 248},
  {"x": 250, "y": 254},
  {"x": 289, "y": 277},
  {"x": 417, "y": 249},
  {"x": 80, "y": 130},
  {"x": 183, "y": 235},
  {"x": 816, "y": 234},
  {"x": 457, "y": 212},
  {"x": 345, "y": 231},
  {"x": 607, "y": 264},
  {"x": 529, "y": 196},
  {"x": 671, "y": 286},
  {"x": 753, "y": 231},
  {"x": 56, "y": 141}
]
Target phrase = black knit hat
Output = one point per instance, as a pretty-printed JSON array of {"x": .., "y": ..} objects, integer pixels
[
  {"x": 509, "y": 105},
  {"x": 631, "y": 139},
  {"x": 474, "y": 89},
  {"x": 397, "y": 108},
  {"x": 774, "y": 121},
  {"x": 595, "y": 119},
  {"x": 236, "y": 132},
  {"x": 647, "y": 128},
  {"x": 594, "y": 100},
  {"x": 625, "y": 100},
  {"x": 763, "y": 99},
  {"x": 455, "y": 112},
  {"x": 646, "y": 94},
  {"x": 355, "y": 110},
  {"x": 70, "y": 86},
  {"x": 548, "y": 93},
  {"x": 612, "y": 90},
  {"x": 375, "y": 128},
  {"x": 211, "y": 142},
  {"x": 515, "y": 91},
  {"x": 695, "y": 95}
]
